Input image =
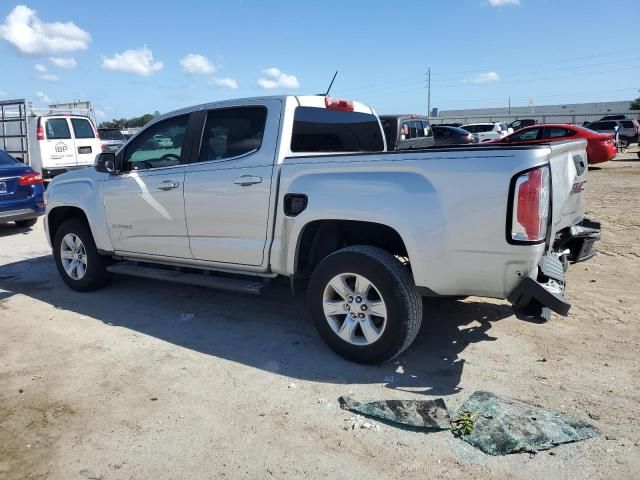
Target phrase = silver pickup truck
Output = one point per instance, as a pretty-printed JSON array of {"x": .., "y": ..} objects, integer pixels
[{"x": 244, "y": 191}]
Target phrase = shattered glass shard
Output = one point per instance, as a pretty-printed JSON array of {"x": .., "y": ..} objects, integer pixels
[
  {"x": 503, "y": 425},
  {"x": 425, "y": 414}
]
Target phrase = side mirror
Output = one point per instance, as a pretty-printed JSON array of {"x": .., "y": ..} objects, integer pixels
[{"x": 106, "y": 163}]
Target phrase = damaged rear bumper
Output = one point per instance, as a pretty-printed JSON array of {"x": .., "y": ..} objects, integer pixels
[{"x": 534, "y": 299}]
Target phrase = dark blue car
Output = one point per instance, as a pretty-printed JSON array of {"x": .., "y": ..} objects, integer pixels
[{"x": 21, "y": 192}]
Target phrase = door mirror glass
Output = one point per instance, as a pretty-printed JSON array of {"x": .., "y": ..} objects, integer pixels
[{"x": 106, "y": 163}]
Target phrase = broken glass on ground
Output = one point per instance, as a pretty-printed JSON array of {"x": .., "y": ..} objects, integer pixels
[
  {"x": 423, "y": 414},
  {"x": 503, "y": 425}
]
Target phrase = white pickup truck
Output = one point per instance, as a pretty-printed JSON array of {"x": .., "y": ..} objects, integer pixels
[{"x": 302, "y": 187}]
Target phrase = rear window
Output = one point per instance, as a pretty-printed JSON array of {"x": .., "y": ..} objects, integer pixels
[
  {"x": 627, "y": 124},
  {"x": 57, "y": 129},
  {"x": 478, "y": 128},
  {"x": 6, "y": 159},
  {"x": 82, "y": 128},
  {"x": 602, "y": 125},
  {"x": 111, "y": 134},
  {"x": 323, "y": 130}
]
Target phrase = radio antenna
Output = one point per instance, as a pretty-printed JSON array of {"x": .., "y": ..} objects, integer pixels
[{"x": 330, "y": 85}]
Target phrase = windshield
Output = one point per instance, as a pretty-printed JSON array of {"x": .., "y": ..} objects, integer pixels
[
  {"x": 110, "y": 134},
  {"x": 323, "y": 130},
  {"x": 6, "y": 159}
]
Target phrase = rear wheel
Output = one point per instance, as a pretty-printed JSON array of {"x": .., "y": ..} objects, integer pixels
[
  {"x": 27, "y": 223},
  {"x": 80, "y": 265},
  {"x": 364, "y": 304}
]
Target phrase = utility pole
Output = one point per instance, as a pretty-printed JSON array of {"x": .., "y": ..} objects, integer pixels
[
  {"x": 509, "y": 105},
  {"x": 429, "y": 92}
]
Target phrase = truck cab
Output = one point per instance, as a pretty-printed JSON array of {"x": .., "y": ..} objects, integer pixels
[{"x": 407, "y": 132}]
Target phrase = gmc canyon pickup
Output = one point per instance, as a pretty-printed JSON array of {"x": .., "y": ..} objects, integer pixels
[{"x": 243, "y": 191}]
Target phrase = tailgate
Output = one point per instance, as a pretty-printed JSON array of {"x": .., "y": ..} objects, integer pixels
[{"x": 569, "y": 168}]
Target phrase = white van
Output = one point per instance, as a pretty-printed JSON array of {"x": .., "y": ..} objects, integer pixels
[{"x": 50, "y": 143}]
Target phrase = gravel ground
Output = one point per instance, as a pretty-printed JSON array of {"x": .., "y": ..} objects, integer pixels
[{"x": 150, "y": 380}]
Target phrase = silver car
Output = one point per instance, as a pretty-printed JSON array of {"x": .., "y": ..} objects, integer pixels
[
  {"x": 111, "y": 139},
  {"x": 627, "y": 128}
]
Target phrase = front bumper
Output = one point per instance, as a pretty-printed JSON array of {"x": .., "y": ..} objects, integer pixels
[{"x": 535, "y": 299}]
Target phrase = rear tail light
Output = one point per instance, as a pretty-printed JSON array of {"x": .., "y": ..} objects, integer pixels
[
  {"x": 531, "y": 198},
  {"x": 338, "y": 104},
  {"x": 40, "y": 130},
  {"x": 32, "y": 178}
]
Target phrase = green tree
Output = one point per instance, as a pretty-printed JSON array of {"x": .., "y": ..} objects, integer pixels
[
  {"x": 635, "y": 105},
  {"x": 133, "y": 122}
]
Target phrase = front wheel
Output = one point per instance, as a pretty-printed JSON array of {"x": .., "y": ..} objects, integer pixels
[
  {"x": 364, "y": 304},
  {"x": 80, "y": 265}
]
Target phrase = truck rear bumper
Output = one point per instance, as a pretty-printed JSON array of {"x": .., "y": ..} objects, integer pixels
[{"x": 534, "y": 299}]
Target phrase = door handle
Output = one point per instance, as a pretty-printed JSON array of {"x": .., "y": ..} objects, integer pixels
[
  {"x": 246, "y": 180},
  {"x": 168, "y": 185}
]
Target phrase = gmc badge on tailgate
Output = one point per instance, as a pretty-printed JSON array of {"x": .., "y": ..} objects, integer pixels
[{"x": 578, "y": 187}]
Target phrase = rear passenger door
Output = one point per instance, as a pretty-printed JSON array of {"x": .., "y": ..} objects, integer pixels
[
  {"x": 228, "y": 184},
  {"x": 87, "y": 146},
  {"x": 57, "y": 148}
]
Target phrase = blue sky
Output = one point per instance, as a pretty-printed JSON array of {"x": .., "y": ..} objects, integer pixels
[{"x": 133, "y": 57}]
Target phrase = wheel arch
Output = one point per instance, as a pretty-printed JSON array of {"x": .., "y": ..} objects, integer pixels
[{"x": 58, "y": 215}]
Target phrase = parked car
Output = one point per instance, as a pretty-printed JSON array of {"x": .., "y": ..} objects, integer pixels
[
  {"x": 111, "y": 139},
  {"x": 600, "y": 146},
  {"x": 614, "y": 117},
  {"x": 21, "y": 192},
  {"x": 50, "y": 143},
  {"x": 452, "y": 136},
  {"x": 627, "y": 128},
  {"x": 407, "y": 132},
  {"x": 488, "y": 131},
  {"x": 522, "y": 123},
  {"x": 454, "y": 124},
  {"x": 301, "y": 187}
]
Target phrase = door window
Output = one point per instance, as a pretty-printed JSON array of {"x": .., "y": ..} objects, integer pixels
[
  {"x": 557, "y": 132},
  {"x": 82, "y": 128},
  {"x": 57, "y": 129},
  {"x": 232, "y": 132},
  {"x": 525, "y": 136},
  {"x": 426, "y": 126},
  {"x": 158, "y": 146}
]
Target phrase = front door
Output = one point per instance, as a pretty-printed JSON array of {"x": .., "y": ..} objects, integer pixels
[
  {"x": 144, "y": 205},
  {"x": 227, "y": 190}
]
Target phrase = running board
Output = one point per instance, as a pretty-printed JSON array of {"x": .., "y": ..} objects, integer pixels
[{"x": 250, "y": 285}]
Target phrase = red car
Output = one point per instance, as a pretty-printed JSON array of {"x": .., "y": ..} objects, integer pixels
[{"x": 600, "y": 146}]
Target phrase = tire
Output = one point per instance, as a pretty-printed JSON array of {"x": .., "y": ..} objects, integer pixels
[
  {"x": 389, "y": 282},
  {"x": 94, "y": 274},
  {"x": 26, "y": 223}
]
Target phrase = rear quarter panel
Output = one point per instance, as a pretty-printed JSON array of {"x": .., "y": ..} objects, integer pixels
[{"x": 449, "y": 206}]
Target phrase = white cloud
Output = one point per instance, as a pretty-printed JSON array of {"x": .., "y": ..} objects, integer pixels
[
  {"x": 274, "y": 78},
  {"x": 137, "y": 61},
  {"x": 3, "y": 94},
  {"x": 44, "y": 73},
  {"x": 502, "y": 3},
  {"x": 486, "y": 77},
  {"x": 30, "y": 35},
  {"x": 61, "y": 62},
  {"x": 43, "y": 96},
  {"x": 225, "y": 82},
  {"x": 49, "y": 77},
  {"x": 100, "y": 114},
  {"x": 197, "y": 64}
]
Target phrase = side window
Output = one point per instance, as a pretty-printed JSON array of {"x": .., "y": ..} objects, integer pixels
[
  {"x": 57, "y": 129},
  {"x": 404, "y": 131},
  {"x": 426, "y": 128},
  {"x": 82, "y": 128},
  {"x": 526, "y": 136},
  {"x": 556, "y": 132},
  {"x": 231, "y": 132},
  {"x": 158, "y": 146}
]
